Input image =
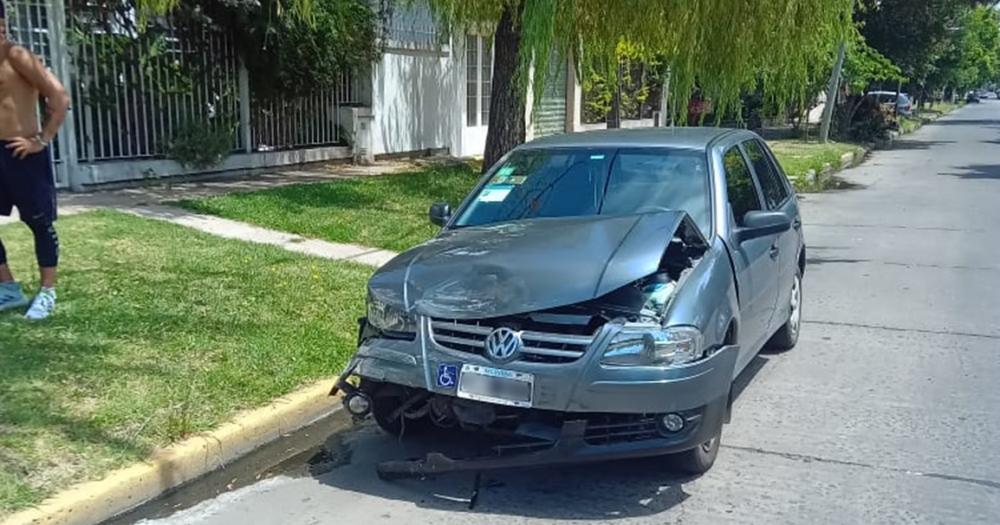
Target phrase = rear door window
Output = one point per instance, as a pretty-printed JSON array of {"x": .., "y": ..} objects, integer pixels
[
  {"x": 771, "y": 183},
  {"x": 742, "y": 192}
]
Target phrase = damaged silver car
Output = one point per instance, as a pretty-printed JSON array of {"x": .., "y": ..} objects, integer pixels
[{"x": 594, "y": 297}]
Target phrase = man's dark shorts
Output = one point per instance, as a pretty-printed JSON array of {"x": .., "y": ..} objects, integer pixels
[{"x": 28, "y": 185}]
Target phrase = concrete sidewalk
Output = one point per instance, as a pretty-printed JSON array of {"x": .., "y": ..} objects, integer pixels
[{"x": 246, "y": 232}]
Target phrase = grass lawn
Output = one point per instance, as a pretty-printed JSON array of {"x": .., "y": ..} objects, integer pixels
[
  {"x": 940, "y": 108},
  {"x": 386, "y": 211},
  {"x": 909, "y": 124},
  {"x": 160, "y": 332},
  {"x": 798, "y": 156},
  {"x": 923, "y": 116}
]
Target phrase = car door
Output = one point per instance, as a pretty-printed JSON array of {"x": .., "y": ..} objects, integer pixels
[
  {"x": 756, "y": 267},
  {"x": 778, "y": 196}
]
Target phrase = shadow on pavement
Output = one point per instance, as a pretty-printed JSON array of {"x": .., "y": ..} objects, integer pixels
[
  {"x": 910, "y": 144},
  {"x": 978, "y": 171},
  {"x": 964, "y": 122},
  {"x": 817, "y": 261},
  {"x": 596, "y": 491}
]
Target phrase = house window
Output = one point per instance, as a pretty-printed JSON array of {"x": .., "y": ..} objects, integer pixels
[
  {"x": 478, "y": 79},
  {"x": 471, "y": 80}
]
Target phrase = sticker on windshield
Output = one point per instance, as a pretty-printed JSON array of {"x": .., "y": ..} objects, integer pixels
[
  {"x": 505, "y": 171},
  {"x": 597, "y": 157},
  {"x": 495, "y": 192}
]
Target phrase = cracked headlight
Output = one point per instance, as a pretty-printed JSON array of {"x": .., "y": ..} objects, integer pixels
[
  {"x": 390, "y": 318},
  {"x": 652, "y": 345}
]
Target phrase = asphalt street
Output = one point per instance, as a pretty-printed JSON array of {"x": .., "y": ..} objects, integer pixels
[{"x": 888, "y": 411}]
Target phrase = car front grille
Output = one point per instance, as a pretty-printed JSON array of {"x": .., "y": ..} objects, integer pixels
[{"x": 539, "y": 347}]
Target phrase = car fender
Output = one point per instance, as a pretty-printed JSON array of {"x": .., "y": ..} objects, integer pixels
[{"x": 706, "y": 297}]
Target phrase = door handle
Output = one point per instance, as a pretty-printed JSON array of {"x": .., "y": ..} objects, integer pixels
[
  {"x": 774, "y": 251},
  {"x": 797, "y": 223}
]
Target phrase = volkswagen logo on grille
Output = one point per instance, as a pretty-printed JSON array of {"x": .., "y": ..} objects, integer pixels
[{"x": 503, "y": 344}]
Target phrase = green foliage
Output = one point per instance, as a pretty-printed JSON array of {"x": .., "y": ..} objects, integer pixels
[
  {"x": 972, "y": 57},
  {"x": 864, "y": 66},
  {"x": 291, "y": 47},
  {"x": 637, "y": 73},
  {"x": 302, "y": 9},
  {"x": 296, "y": 55},
  {"x": 202, "y": 143},
  {"x": 710, "y": 44},
  {"x": 911, "y": 33}
]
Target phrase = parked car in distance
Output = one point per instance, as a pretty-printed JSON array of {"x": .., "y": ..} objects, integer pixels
[
  {"x": 594, "y": 297},
  {"x": 899, "y": 104},
  {"x": 972, "y": 98}
]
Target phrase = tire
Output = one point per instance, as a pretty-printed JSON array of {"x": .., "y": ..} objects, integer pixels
[
  {"x": 385, "y": 402},
  {"x": 788, "y": 335},
  {"x": 698, "y": 460}
]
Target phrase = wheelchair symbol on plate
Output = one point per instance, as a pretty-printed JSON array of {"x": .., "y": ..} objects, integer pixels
[{"x": 447, "y": 376}]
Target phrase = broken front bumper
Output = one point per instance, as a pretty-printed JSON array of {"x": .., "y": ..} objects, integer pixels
[
  {"x": 577, "y": 391},
  {"x": 577, "y": 443}
]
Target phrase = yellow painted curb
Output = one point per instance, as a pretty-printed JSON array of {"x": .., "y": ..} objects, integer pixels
[{"x": 122, "y": 490}]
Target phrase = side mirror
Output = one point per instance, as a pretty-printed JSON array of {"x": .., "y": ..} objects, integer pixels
[
  {"x": 763, "y": 223},
  {"x": 440, "y": 213}
]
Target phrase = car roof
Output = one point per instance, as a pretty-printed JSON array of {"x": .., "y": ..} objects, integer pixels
[{"x": 695, "y": 138}]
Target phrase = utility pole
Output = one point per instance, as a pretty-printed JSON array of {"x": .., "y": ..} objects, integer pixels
[
  {"x": 665, "y": 101},
  {"x": 831, "y": 93}
]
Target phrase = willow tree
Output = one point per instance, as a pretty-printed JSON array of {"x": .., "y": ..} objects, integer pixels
[
  {"x": 720, "y": 47},
  {"x": 302, "y": 9}
]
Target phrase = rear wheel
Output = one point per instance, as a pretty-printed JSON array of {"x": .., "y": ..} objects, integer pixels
[
  {"x": 788, "y": 335},
  {"x": 700, "y": 459}
]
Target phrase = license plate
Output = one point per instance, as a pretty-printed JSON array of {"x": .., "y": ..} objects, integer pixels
[{"x": 494, "y": 385}]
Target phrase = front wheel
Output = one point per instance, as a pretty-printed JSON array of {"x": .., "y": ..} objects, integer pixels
[
  {"x": 788, "y": 335},
  {"x": 700, "y": 459},
  {"x": 386, "y": 403}
]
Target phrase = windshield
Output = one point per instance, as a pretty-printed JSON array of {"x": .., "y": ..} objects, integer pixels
[{"x": 573, "y": 182}]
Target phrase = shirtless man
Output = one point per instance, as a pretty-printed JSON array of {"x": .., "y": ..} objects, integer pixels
[{"x": 26, "y": 180}]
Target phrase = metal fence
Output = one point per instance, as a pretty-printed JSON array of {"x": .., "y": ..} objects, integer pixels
[
  {"x": 28, "y": 24},
  {"x": 309, "y": 121},
  {"x": 130, "y": 103},
  {"x": 130, "y": 99}
]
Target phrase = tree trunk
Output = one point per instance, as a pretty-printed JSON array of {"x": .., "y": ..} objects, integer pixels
[{"x": 507, "y": 119}]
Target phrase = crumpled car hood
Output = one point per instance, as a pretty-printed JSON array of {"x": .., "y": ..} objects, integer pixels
[{"x": 524, "y": 266}]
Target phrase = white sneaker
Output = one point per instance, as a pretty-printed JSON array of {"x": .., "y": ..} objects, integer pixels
[
  {"x": 43, "y": 306},
  {"x": 11, "y": 296}
]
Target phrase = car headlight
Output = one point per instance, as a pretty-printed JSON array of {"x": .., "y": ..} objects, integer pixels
[
  {"x": 388, "y": 317},
  {"x": 652, "y": 345}
]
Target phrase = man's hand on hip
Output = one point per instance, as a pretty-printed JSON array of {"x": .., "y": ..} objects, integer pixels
[{"x": 22, "y": 147}]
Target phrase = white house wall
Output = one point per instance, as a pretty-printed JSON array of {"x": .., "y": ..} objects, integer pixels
[{"x": 416, "y": 101}]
